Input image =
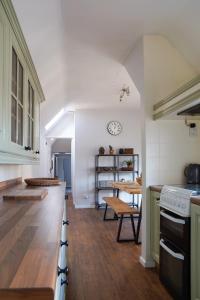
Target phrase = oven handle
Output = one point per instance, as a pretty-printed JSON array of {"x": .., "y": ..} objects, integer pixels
[
  {"x": 175, "y": 220},
  {"x": 174, "y": 254}
]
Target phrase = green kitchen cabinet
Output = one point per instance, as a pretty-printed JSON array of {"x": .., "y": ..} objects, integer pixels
[
  {"x": 3, "y": 66},
  {"x": 155, "y": 225},
  {"x": 195, "y": 252},
  {"x": 20, "y": 93}
]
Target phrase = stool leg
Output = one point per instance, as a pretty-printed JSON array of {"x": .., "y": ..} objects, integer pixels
[
  {"x": 120, "y": 227},
  {"x": 133, "y": 226},
  {"x": 139, "y": 224},
  {"x": 104, "y": 217},
  {"x": 115, "y": 216}
]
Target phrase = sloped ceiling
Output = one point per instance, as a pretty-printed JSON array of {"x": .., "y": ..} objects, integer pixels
[{"x": 79, "y": 46}]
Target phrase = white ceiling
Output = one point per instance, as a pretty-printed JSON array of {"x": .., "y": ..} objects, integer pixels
[{"x": 79, "y": 46}]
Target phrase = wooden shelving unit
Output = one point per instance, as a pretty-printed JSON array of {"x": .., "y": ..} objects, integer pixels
[{"x": 115, "y": 169}]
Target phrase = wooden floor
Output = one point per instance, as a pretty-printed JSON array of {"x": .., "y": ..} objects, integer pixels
[{"x": 102, "y": 269}]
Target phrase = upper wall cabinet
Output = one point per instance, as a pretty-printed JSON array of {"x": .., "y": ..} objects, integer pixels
[
  {"x": 185, "y": 102},
  {"x": 20, "y": 93}
]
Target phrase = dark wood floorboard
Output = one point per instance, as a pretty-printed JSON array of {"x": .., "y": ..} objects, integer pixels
[{"x": 102, "y": 269}]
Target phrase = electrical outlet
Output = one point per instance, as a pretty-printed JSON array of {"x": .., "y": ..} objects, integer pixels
[{"x": 193, "y": 132}]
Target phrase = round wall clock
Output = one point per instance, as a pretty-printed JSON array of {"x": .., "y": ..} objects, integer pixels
[{"x": 114, "y": 127}]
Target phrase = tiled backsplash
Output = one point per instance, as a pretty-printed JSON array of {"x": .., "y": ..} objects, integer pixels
[{"x": 169, "y": 148}]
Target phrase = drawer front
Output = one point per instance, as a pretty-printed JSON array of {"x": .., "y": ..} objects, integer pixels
[
  {"x": 63, "y": 257},
  {"x": 63, "y": 289},
  {"x": 60, "y": 292},
  {"x": 58, "y": 288}
]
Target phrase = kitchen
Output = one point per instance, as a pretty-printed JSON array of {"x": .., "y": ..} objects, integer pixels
[{"x": 157, "y": 69}]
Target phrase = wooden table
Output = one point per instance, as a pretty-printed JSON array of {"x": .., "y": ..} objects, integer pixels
[{"x": 132, "y": 188}]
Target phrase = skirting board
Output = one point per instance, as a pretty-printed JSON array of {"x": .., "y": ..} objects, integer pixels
[
  {"x": 84, "y": 205},
  {"x": 147, "y": 263}
]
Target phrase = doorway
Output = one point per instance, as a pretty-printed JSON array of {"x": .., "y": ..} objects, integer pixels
[{"x": 62, "y": 168}]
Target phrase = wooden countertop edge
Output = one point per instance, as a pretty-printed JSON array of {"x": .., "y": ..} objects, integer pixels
[
  {"x": 10, "y": 183},
  {"x": 15, "y": 293},
  {"x": 195, "y": 200},
  {"x": 155, "y": 188},
  {"x": 27, "y": 293}
]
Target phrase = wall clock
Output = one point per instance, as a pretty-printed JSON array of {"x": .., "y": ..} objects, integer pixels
[{"x": 114, "y": 127}]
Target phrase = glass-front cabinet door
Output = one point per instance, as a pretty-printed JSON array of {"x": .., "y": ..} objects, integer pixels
[
  {"x": 20, "y": 93},
  {"x": 31, "y": 116},
  {"x": 17, "y": 100},
  {"x": 2, "y": 68},
  {"x": 32, "y": 119}
]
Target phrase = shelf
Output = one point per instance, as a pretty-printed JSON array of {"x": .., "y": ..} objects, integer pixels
[
  {"x": 115, "y": 170},
  {"x": 118, "y": 171},
  {"x": 105, "y": 188},
  {"x": 129, "y": 171},
  {"x": 114, "y": 155}
]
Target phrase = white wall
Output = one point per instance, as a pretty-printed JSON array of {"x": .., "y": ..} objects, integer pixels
[
  {"x": 169, "y": 149},
  {"x": 10, "y": 172},
  {"x": 165, "y": 71},
  {"x": 61, "y": 145},
  {"x": 90, "y": 134},
  {"x": 64, "y": 128},
  {"x": 39, "y": 20},
  {"x": 166, "y": 145}
]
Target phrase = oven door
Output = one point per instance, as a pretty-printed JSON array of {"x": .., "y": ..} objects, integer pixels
[
  {"x": 174, "y": 270},
  {"x": 176, "y": 229}
]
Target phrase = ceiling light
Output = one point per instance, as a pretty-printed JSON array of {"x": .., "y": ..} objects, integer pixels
[{"x": 125, "y": 91}]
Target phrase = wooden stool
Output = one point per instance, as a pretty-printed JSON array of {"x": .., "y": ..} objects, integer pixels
[{"x": 121, "y": 209}]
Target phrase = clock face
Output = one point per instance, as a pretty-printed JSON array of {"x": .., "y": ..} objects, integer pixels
[{"x": 114, "y": 127}]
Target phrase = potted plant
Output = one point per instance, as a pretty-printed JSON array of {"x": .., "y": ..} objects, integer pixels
[
  {"x": 127, "y": 165},
  {"x": 111, "y": 150}
]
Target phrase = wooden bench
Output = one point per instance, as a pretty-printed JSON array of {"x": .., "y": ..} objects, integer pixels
[{"x": 121, "y": 209}]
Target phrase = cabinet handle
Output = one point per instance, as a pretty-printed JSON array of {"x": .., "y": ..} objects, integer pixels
[
  {"x": 37, "y": 152},
  {"x": 63, "y": 271},
  {"x": 66, "y": 281},
  {"x": 27, "y": 148},
  {"x": 175, "y": 220},
  {"x": 174, "y": 254},
  {"x": 64, "y": 243},
  {"x": 66, "y": 222}
]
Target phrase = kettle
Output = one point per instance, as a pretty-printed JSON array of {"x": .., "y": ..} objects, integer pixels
[{"x": 192, "y": 173}]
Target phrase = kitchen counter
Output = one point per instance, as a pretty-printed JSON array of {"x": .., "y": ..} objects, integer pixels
[
  {"x": 29, "y": 244},
  {"x": 158, "y": 188}
]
